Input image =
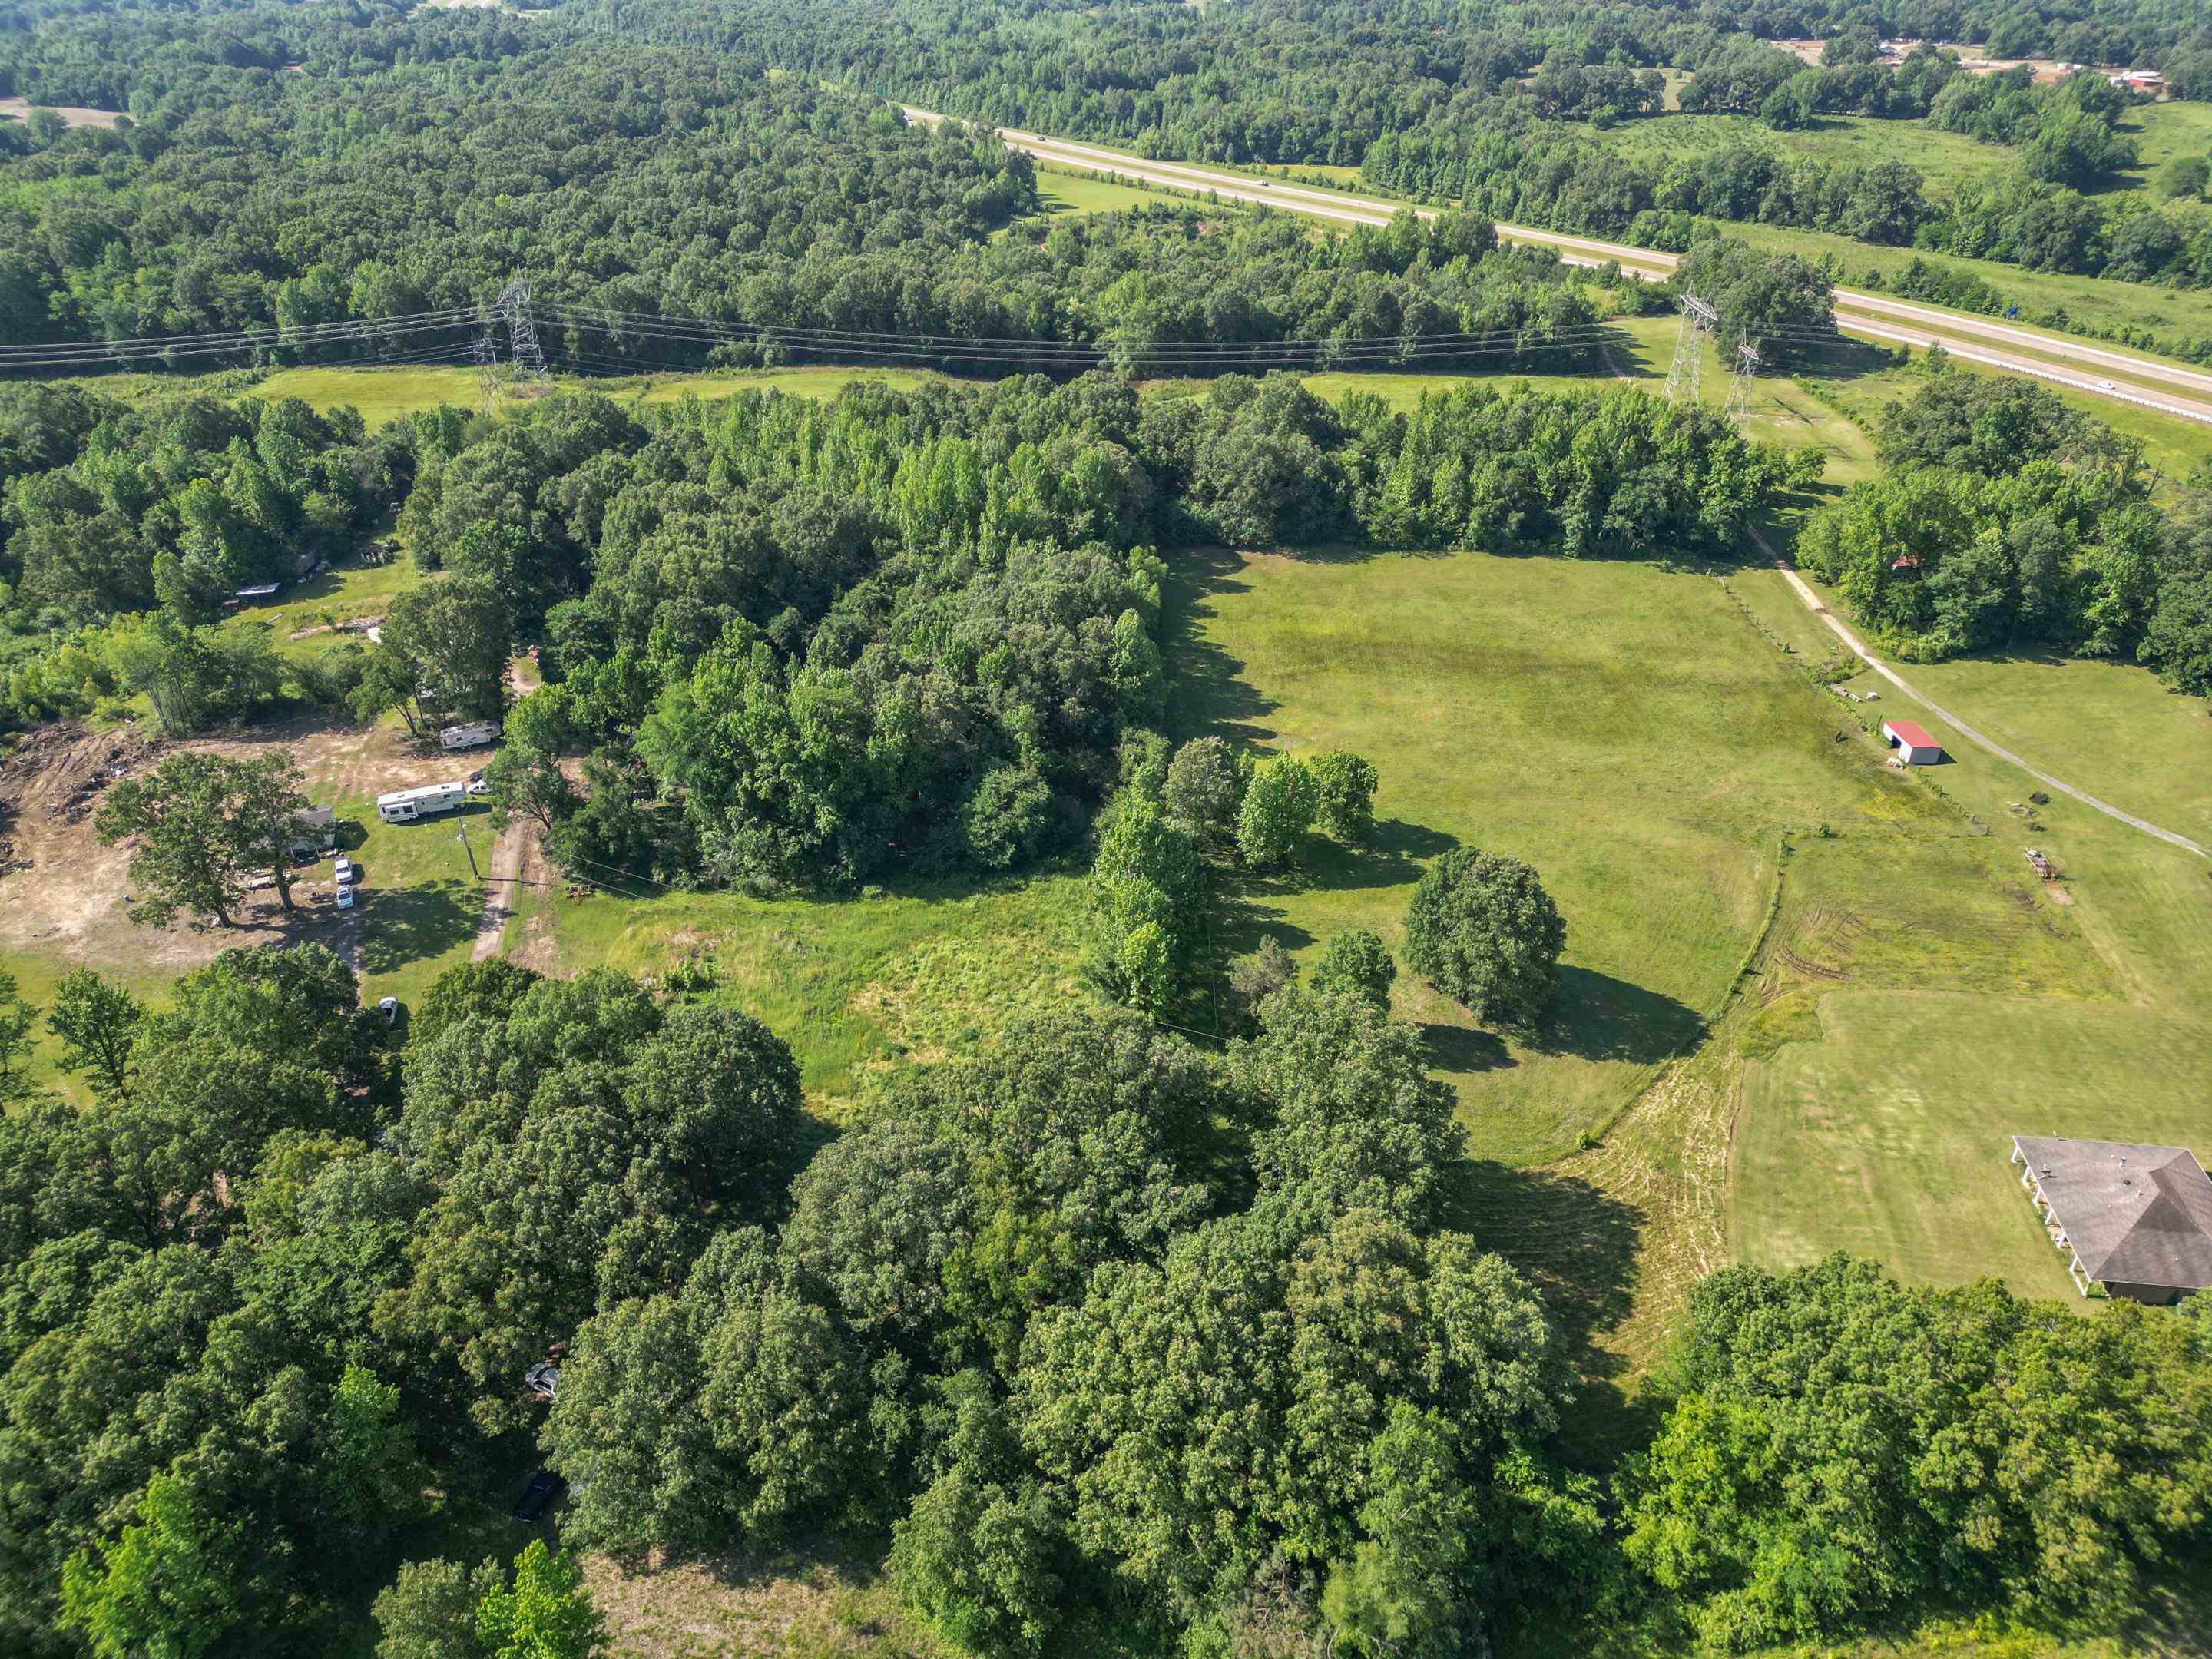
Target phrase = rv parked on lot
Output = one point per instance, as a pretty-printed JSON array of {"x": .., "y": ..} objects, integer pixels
[
  {"x": 474, "y": 735},
  {"x": 405, "y": 805}
]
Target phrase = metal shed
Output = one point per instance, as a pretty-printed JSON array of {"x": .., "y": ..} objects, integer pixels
[{"x": 1914, "y": 746}]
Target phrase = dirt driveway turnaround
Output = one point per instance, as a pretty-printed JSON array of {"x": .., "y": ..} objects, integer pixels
[{"x": 62, "y": 894}]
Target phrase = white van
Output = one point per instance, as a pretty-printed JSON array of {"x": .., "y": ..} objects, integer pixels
[
  {"x": 405, "y": 805},
  {"x": 472, "y": 736}
]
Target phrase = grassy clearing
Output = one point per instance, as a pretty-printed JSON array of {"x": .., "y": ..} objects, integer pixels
[
  {"x": 1557, "y": 716},
  {"x": 1878, "y": 1104},
  {"x": 419, "y": 903},
  {"x": 1946, "y": 159},
  {"x": 385, "y": 394},
  {"x": 2098, "y": 302},
  {"x": 343, "y": 594},
  {"x": 1064, "y": 191},
  {"x": 2165, "y": 132},
  {"x": 855, "y": 986},
  {"x": 1887, "y": 1135}
]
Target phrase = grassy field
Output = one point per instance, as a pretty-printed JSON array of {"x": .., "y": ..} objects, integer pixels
[
  {"x": 1556, "y": 716},
  {"x": 856, "y": 986},
  {"x": 384, "y": 394},
  {"x": 2097, "y": 302},
  {"x": 1877, "y": 1101},
  {"x": 2164, "y": 132},
  {"x": 1064, "y": 191},
  {"x": 1945, "y": 159}
]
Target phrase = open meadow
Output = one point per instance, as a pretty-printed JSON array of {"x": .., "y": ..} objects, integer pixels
[{"x": 1877, "y": 1118}]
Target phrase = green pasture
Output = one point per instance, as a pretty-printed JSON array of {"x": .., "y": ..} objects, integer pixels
[
  {"x": 1945, "y": 159},
  {"x": 1616, "y": 724},
  {"x": 1876, "y": 1112}
]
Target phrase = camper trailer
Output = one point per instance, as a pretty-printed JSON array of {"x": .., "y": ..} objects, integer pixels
[
  {"x": 405, "y": 805},
  {"x": 474, "y": 735}
]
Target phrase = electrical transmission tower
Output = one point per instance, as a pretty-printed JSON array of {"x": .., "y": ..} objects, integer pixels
[
  {"x": 1686, "y": 375},
  {"x": 485, "y": 352},
  {"x": 526, "y": 360},
  {"x": 1747, "y": 365}
]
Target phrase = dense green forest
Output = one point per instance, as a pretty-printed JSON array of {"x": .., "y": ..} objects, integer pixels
[
  {"x": 304, "y": 165},
  {"x": 1111, "y": 1335}
]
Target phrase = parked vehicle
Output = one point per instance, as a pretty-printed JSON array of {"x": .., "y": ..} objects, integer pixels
[
  {"x": 389, "y": 1007},
  {"x": 544, "y": 1491},
  {"x": 405, "y": 805},
  {"x": 345, "y": 898},
  {"x": 344, "y": 870},
  {"x": 474, "y": 735}
]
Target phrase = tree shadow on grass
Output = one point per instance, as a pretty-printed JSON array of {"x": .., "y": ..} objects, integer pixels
[
  {"x": 1601, "y": 1017},
  {"x": 1391, "y": 858},
  {"x": 1241, "y": 917},
  {"x": 1577, "y": 1244},
  {"x": 416, "y": 923},
  {"x": 1207, "y": 694},
  {"x": 1463, "y": 1049}
]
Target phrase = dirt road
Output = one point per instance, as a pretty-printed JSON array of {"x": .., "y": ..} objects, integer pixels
[
  {"x": 2061, "y": 361},
  {"x": 503, "y": 881},
  {"x": 1844, "y": 632}
]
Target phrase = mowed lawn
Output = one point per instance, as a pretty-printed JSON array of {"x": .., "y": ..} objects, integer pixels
[
  {"x": 1888, "y": 1135},
  {"x": 1616, "y": 724},
  {"x": 1878, "y": 1120}
]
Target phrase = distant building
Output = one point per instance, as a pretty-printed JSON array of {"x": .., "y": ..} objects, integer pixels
[
  {"x": 2136, "y": 1219},
  {"x": 2139, "y": 80},
  {"x": 1914, "y": 746}
]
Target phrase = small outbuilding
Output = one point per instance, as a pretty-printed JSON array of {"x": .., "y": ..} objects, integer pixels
[
  {"x": 315, "y": 830},
  {"x": 1913, "y": 745},
  {"x": 2134, "y": 1217}
]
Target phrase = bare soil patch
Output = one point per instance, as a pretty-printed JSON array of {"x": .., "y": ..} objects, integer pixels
[
  {"x": 19, "y": 109},
  {"x": 63, "y": 893}
]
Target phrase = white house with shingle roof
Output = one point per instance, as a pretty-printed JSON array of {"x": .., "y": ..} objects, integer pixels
[{"x": 2134, "y": 1217}]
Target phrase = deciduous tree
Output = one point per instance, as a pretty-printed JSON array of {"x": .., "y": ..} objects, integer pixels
[{"x": 1482, "y": 930}]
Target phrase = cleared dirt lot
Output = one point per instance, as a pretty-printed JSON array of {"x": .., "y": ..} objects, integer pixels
[
  {"x": 19, "y": 109},
  {"x": 64, "y": 894}
]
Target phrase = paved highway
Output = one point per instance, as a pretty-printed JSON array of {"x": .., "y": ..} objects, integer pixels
[{"x": 2084, "y": 367}]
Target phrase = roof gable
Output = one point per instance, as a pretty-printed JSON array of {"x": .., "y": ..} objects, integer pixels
[{"x": 2134, "y": 1213}]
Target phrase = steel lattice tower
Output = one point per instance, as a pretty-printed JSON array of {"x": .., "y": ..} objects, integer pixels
[
  {"x": 485, "y": 354},
  {"x": 1687, "y": 372},
  {"x": 1747, "y": 365},
  {"x": 526, "y": 360}
]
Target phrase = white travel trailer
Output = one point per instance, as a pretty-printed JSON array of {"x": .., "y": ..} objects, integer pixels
[
  {"x": 405, "y": 805},
  {"x": 474, "y": 735}
]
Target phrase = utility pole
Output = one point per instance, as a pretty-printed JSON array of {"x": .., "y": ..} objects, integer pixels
[
  {"x": 1747, "y": 365},
  {"x": 461, "y": 835},
  {"x": 526, "y": 360},
  {"x": 1687, "y": 372}
]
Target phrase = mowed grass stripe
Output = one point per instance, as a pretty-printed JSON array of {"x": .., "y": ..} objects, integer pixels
[{"x": 1888, "y": 1136}]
